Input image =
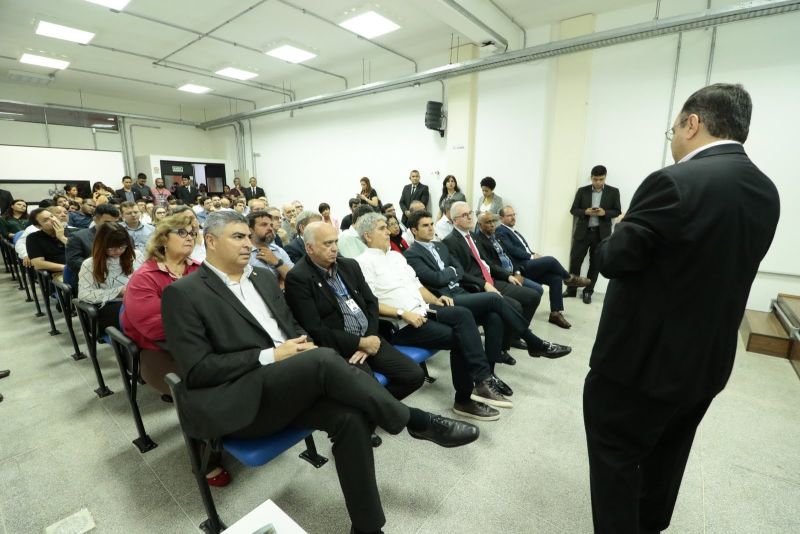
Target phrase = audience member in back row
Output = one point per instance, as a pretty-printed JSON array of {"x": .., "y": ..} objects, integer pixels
[
  {"x": 104, "y": 275},
  {"x": 145, "y": 193},
  {"x": 14, "y": 219},
  {"x": 347, "y": 220},
  {"x": 451, "y": 192},
  {"x": 333, "y": 303},
  {"x": 325, "y": 212},
  {"x": 46, "y": 247},
  {"x": 83, "y": 218},
  {"x": 81, "y": 243},
  {"x": 396, "y": 241},
  {"x": 139, "y": 231},
  {"x": 490, "y": 201},
  {"x": 265, "y": 252},
  {"x": 411, "y": 192},
  {"x": 187, "y": 192},
  {"x": 268, "y": 376},
  {"x": 160, "y": 193},
  {"x": 127, "y": 193},
  {"x": 296, "y": 248},
  {"x": 368, "y": 195},
  {"x": 350, "y": 244},
  {"x": 445, "y": 225}
]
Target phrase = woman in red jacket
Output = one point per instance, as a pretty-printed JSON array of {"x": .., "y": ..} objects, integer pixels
[{"x": 396, "y": 241}]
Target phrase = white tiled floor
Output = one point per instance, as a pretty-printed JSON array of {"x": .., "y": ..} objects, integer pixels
[{"x": 62, "y": 449}]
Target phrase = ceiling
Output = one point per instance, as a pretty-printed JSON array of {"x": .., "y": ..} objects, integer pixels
[{"x": 121, "y": 59}]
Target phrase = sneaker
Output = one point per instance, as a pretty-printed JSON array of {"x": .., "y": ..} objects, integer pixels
[
  {"x": 550, "y": 350},
  {"x": 502, "y": 387},
  {"x": 476, "y": 410},
  {"x": 488, "y": 393}
]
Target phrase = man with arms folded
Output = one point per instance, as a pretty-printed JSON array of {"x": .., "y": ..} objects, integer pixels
[
  {"x": 664, "y": 346},
  {"x": 402, "y": 298},
  {"x": 250, "y": 371},
  {"x": 265, "y": 252}
]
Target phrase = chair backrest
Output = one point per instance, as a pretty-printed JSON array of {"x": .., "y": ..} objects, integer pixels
[
  {"x": 64, "y": 296},
  {"x": 70, "y": 277},
  {"x": 127, "y": 351}
]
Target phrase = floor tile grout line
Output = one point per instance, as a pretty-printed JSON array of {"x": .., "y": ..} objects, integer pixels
[{"x": 442, "y": 500}]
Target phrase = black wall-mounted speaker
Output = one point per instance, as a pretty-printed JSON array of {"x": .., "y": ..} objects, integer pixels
[{"x": 434, "y": 118}]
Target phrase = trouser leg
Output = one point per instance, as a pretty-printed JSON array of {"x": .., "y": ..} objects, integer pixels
[
  {"x": 549, "y": 271},
  {"x": 576, "y": 255},
  {"x": 405, "y": 376},
  {"x": 527, "y": 298},
  {"x": 485, "y": 308},
  {"x": 594, "y": 270}
]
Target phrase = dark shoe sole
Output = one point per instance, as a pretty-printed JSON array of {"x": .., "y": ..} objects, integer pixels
[
  {"x": 491, "y": 402},
  {"x": 550, "y": 356},
  {"x": 475, "y": 416}
]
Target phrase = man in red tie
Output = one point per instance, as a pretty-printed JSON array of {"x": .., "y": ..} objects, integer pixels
[{"x": 462, "y": 246}]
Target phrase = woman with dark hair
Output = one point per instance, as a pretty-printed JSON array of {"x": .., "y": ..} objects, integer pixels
[
  {"x": 325, "y": 210},
  {"x": 71, "y": 190},
  {"x": 450, "y": 191},
  {"x": 104, "y": 275},
  {"x": 368, "y": 195},
  {"x": 396, "y": 241},
  {"x": 159, "y": 214},
  {"x": 14, "y": 219},
  {"x": 489, "y": 202}
]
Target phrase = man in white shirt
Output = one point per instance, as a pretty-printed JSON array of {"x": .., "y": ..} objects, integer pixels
[
  {"x": 403, "y": 299},
  {"x": 444, "y": 225}
]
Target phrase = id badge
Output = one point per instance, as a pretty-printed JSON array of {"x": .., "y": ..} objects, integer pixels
[{"x": 352, "y": 305}]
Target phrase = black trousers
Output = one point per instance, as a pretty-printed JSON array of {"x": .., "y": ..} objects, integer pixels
[
  {"x": 577, "y": 253},
  {"x": 638, "y": 448},
  {"x": 547, "y": 271},
  {"x": 527, "y": 298},
  {"x": 454, "y": 328},
  {"x": 405, "y": 376},
  {"x": 318, "y": 389}
]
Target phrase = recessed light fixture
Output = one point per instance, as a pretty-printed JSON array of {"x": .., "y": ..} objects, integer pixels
[
  {"x": 117, "y": 5},
  {"x": 369, "y": 25},
  {"x": 102, "y": 125},
  {"x": 57, "y": 31},
  {"x": 290, "y": 53},
  {"x": 10, "y": 113},
  {"x": 236, "y": 74},
  {"x": 192, "y": 88},
  {"x": 32, "y": 59}
]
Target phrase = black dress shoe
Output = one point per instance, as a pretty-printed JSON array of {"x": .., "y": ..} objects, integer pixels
[
  {"x": 569, "y": 293},
  {"x": 5, "y": 373},
  {"x": 587, "y": 297},
  {"x": 502, "y": 387},
  {"x": 550, "y": 350},
  {"x": 447, "y": 432},
  {"x": 376, "y": 441},
  {"x": 506, "y": 358},
  {"x": 519, "y": 344}
]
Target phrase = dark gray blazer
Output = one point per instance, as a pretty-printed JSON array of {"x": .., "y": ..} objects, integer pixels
[
  {"x": 216, "y": 342},
  {"x": 79, "y": 247},
  {"x": 609, "y": 201}
]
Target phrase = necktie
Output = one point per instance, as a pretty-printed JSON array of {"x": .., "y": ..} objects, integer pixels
[
  {"x": 413, "y": 188},
  {"x": 477, "y": 257},
  {"x": 253, "y": 191},
  {"x": 504, "y": 259}
]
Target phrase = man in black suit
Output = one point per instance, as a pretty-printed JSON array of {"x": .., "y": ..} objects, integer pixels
[
  {"x": 594, "y": 208},
  {"x": 297, "y": 247},
  {"x": 442, "y": 274},
  {"x": 6, "y": 199},
  {"x": 253, "y": 191},
  {"x": 145, "y": 193},
  {"x": 333, "y": 303},
  {"x": 411, "y": 192},
  {"x": 665, "y": 346},
  {"x": 80, "y": 243},
  {"x": 127, "y": 193},
  {"x": 187, "y": 192},
  {"x": 249, "y": 370}
]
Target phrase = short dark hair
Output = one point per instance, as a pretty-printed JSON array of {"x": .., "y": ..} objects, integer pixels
[
  {"x": 599, "y": 170},
  {"x": 32, "y": 216},
  {"x": 353, "y": 202},
  {"x": 127, "y": 205},
  {"x": 56, "y": 197},
  {"x": 489, "y": 182},
  {"x": 106, "y": 209},
  {"x": 386, "y": 206},
  {"x": 324, "y": 206},
  {"x": 415, "y": 217},
  {"x": 45, "y": 203},
  {"x": 361, "y": 210},
  {"x": 127, "y": 178},
  {"x": 725, "y": 108},
  {"x": 141, "y": 175},
  {"x": 253, "y": 216}
]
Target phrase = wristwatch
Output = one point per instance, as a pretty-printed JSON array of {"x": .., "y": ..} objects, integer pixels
[
  {"x": 400, "y": 312},
  {"x": 277, "y": 265}
]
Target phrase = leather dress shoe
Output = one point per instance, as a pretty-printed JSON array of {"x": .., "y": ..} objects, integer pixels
[
  {"x": 587, "y": 297},
  {"x": 506, "y": 358},
  {"x": 476, "y": 410},
  {"x": 487, "y": 393},
  {"x": 519, "y": 344},
  {"x": 447, "y": 432},
  {"x": 502, "y": 387},
  {"x": 550, "y": 350},
  {"x": 576, "y": 281},
  {"x": 5, "y": 373},
  {"x": 570, "y": 293},
  {"x": 557, "y": 318}
]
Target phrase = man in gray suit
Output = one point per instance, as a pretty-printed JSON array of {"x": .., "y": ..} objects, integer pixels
[{"x": 249, "y": 370}]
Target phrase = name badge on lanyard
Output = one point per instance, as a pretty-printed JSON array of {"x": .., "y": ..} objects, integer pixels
[{"x": 352, "y": 305}]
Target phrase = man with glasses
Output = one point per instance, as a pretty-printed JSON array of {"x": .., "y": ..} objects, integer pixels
[
  {"x": 594, "y": 208},
  {"x": 665, "y": 346}
]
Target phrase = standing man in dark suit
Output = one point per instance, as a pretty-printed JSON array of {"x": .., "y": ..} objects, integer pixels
[
  {"x": 658, "y": 361},
  {"x": 187, "y": 192},
  {"x": 593, "y": 209},
  {"x": 127, "y": 193},
  {"x": 249, "y": 370},
  {"x": 253, "y": 191},
  {"x": 332, "y": 301},
  {"x": 411, "y": 192}
]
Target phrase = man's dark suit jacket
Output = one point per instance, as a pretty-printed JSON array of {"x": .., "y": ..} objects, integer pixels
[
  {"x": 6, "y": 199},
  {"x": 459, "y": 249},
  {"x": 120, "y": 194},
  {"x": 583, "y": 199},
  {"x": 662, "y": 332},
  {"x": 296, "y": 249},
  {"x": 488, "y": 253},
  {"x": 144, "y": 191},
  {"x": 216, "y": 342},
  {"x": 187, "y": 195},
  {"x": 515, "y": 250},
  {"x": 435, "y": 279},
  {"x": 406, "y": 198},
  {"x": 314, "y": 303},
  {"x": 79, "y": 247},
  {"x": 248, "y": 193}
]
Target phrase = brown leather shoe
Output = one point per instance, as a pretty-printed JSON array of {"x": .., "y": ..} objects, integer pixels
[
  {"x": 558, "y": 319},
  {"x": 577, "y": 281}
]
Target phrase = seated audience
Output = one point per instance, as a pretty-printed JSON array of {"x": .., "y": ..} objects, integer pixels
[
  {"x": 347, "y": 220},
  {"x": 350, "y": 244},
  {"x": 277, "y": 219},
  {"x": 489, "y": 201},
  {"x": 203, "y": 208},
  {"x": 296, "y": 248},
  {"x": 159, "y": 214},
  {"x": 236, "y": 190},
  {"x": 14, "y": 219},
  {"x": 332, "y": 302},
  {"x": 71, "y": 191},
  {"x": 368, "y": 195},
  {"x": 451, "y": 192},
  {"x": 104, "y": 275},
  {"x": 256, "y": 204},
  {"x": 406, "y": 302},
  {"x": 289, "y": 222},
  {"x": 250, "y": 371},
  {"x": 445, "y": 224},
  {"x": 144, "y": 216},
  {"x": 396, "y": 241},
  {"x": 73, "y": 206},
  {"x": 225, "y": 203},
  {"x": 415, "y": 206},
  {"x": 60, "y": 200},
  {"x": 239, "y": 205},
  {"x": 325, "y": 212},
  {"x": 265, "y": 252},
  {"x": 81, "y": 243},
  {"x": 131, "y": 220},
  {"x": 199, "y": 252},
  {"x": 46, "y": 247},
  {"x": 83, "y": 218}
]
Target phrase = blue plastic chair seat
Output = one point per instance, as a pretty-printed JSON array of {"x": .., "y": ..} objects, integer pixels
[
  {"x": 417, "y": 354},
  {"x": 382, "y": 380},
  {"x": 255, "y": 452}
]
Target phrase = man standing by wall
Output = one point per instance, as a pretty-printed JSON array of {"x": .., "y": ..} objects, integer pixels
[
  {"x": 411, "y": 192},
  {"x": 665, "y": 346},
  {"x": 594, "y": 208}
]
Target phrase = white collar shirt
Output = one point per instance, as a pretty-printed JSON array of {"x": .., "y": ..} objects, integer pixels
[
  {"x": 392, "y": 280},
  {"x": 696, "y": 151}
]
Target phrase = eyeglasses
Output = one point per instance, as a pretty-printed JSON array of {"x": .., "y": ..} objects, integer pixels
[
  {"x": 670, "y": 134},
  {"x": 183, "y": 233},
  {"x": 467, "y": 214}
]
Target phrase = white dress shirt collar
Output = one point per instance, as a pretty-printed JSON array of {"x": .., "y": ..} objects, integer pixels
[{"x": 696, "y": 151}]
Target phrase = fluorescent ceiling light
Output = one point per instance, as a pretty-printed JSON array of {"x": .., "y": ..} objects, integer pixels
[
  {"x": 102, "y": 125},
  {"x": 291, "y": 54},
  {"x": 57, "y": 31},
  {"x": 42, "y": 61},
  {"x": 192, "y": 88},
  {"x": 369, "y": 25},
  {"x": 113, "y": 4},
  {"x": 9, "y": 113},
  {"x": 237, "y": 74}
]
